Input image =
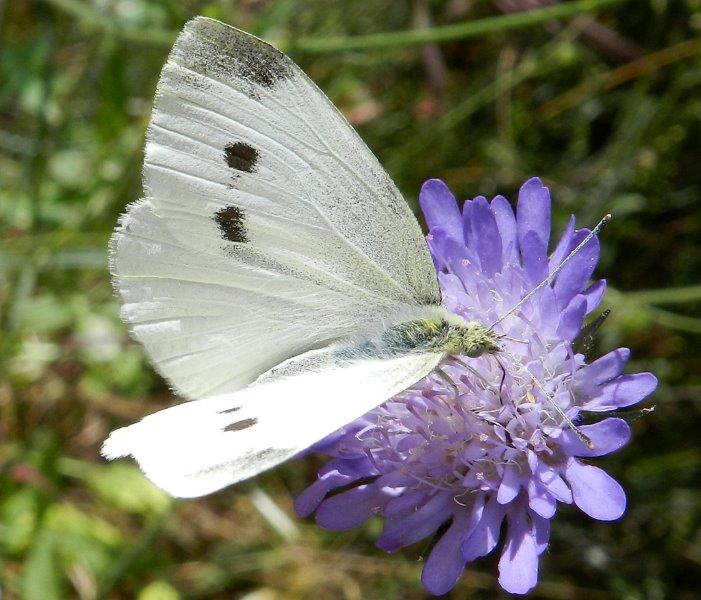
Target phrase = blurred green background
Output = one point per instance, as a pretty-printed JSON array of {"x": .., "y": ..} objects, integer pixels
[{"x": 599, "y": 98}]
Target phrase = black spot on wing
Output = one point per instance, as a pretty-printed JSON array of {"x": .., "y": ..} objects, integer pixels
[
  {"x": 229, "y": 410},
  {"x": 231, "y": 222},
  {"x": 241, "y": 156},
  {"x": 240, "y": 425}
]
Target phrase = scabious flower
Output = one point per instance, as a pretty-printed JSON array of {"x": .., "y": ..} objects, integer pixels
[{"x": 487, "y": 451}]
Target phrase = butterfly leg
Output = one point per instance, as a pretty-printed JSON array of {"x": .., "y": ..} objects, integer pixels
[
  {"x": 448, "y": 381},
  {"x": 503, "y": 378},
  {"x": 467, "y": 367}
]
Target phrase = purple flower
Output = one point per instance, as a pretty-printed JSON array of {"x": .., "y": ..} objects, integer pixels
[{"x": 496, "y": 455}]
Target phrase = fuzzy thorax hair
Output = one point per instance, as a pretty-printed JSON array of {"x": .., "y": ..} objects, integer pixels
[{"x": 432, "y": 330}]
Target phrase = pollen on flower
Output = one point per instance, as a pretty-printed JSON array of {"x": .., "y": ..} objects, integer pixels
[{"x": 491, "y": 439}]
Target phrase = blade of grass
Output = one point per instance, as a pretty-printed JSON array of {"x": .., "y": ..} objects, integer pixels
[
  {"x": 607, "y": 81},
  {"x": 94, "y": 19},
  {"x": 131, "y": 555},
  {"x": 447, "y": 33},
  {"x": 676, "y": 295},
  {"x": 673, "y": 320},
  {"x": 642, "y": 301},
  {"x": 272, "y": 513}
]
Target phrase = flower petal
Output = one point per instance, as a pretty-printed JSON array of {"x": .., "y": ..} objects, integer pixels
[
  {"x": 622, "y": 391},
  {"x": 453, "y": 255},
  {"x": 486, "y": 534},
  {"x": 575, "y": 274},
  {"x": 308, "y": 501},
  {"x": 595, "y": 492},
  {"x": 534, "y": 257},
  {"x": 445, "y": 564},
  {"x": 351, "y": 508},
  {"x": 533, "y": 211},
  {"x": 486, "y": 238},
  {"x": 564, "y": 246},
  {"x": 405, "y": 503},
  {"x": 510, "y": 485},
  {"x": 441, "y": 246},
  {"x": 594, "y": 293},
  {"x": 518, "y": 565},
  {"x": 541, "y": 532},
  {"x": 334, "y": 474},
  {"x": 555, "y": 484},
  {"x": 539, "y": 500},
  {"x": 548, "y": 312},
  {"x": 608, "y": 436},
  {"x": 506, "y": 223},
  {"x": 330, "y": 444},
  {"x": 418, "y": 525},
  {"x": 605, "y": 368},
  {"x": 572, "y": 318},
  {"x": 440, "y": 208}
]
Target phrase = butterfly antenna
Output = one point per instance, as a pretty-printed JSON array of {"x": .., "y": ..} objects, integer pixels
[
  {"x": 599, "y": 227},
  {"x": 470, "y": 369},
  {"x": 513, "y": 339}
]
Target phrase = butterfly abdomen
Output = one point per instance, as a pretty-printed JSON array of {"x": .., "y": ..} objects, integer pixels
[{"x": 438, "y": 332}]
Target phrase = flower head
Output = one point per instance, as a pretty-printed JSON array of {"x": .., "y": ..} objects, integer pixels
[{"x": 481, "y": 442}]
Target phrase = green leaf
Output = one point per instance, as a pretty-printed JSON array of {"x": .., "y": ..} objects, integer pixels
[
  {"x": 41, "y": 575},
  {"x": 124, "y": 486},
  {"x": 158, "y": 590},
  {"x": 18, "y": 520},
  {"x": 84, "y": 539}
]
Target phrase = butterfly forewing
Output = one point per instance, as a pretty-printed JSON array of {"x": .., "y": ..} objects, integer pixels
[{"x": 269, "y": 228}]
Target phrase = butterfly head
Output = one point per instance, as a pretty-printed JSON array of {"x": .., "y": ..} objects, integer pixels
[
  {"x": 472, "y": 339},
  {"x": 459, "y": 337}
]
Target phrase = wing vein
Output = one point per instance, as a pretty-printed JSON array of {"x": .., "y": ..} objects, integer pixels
[{"x": 378, "y": 268}]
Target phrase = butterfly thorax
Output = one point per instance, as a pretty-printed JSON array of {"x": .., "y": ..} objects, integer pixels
[
  {"x": 441, "y": 332},
  {"x": 449, "y": 336}
]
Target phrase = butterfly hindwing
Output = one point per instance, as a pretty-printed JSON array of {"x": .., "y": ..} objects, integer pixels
[{"x": 198, "y": 447}]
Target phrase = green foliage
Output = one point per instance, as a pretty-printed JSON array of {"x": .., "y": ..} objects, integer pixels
[
  {"x": 158, "y": 590},
  {"x": 604, "y": 106},
  {"x": 123, "y": 486}
]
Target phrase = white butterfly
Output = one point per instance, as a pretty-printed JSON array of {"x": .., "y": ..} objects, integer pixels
[{"x": 273, "y": 272}]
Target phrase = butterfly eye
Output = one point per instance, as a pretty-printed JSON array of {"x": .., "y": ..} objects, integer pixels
[{"x": 475, "y": 350}]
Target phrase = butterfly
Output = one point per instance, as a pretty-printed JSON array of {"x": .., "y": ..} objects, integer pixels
[{"x": 273, "y": 272}]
